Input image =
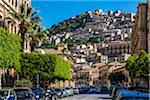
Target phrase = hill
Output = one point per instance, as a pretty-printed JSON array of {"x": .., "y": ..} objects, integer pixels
[{"x": 92, "y": 27}]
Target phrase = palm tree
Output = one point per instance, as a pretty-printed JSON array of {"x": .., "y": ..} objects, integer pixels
[
  {"x": 28, "y": 21},
  {"x": 38, "y": 37}
]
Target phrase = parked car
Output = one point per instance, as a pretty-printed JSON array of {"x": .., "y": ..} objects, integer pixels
[
  {"x": 92, "y": 89},
  {"x": 59, "y": 92},
  {"x": 8, "y": 94},
  {"x": 64, "y": 92},
  {"x": 84, "y": 89},
  {"x": 24, "y": 93},
  {"x": 114, "y": 91},
  {"x": 132, "y": 95},
  {"x": 69, "y": 91},
  {"x": 51, "y": 94},
  {"x": 140, "y": 89},
  {"x": 75, "y": 90},
  {"x": 39, "y": 93},
  {"x": 104, "y": 89}
]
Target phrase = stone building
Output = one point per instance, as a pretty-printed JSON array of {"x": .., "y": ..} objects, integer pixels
[
  {"x": 116, "y": 50},
  {"x": 4, "y": 12},
  {"x": 140, "y": 38},
  {"x": 103, "y": 75},
  {"x": 88, "y": 76},
  {"x": 6, "y": 6}
]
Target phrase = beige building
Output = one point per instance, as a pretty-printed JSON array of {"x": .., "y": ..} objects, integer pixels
[
  {"x": 88, "y": 76},
  {"x": 103, "y": 75},
  {"x": 140, "y": 38},
  {"x": 4, "y": 12}
]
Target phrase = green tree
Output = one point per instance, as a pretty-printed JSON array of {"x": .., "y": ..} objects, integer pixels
[
  {"x": 49, "y": 67},
  {"x": 48, "y": 45},
  {"x": 9, "y": 50},
  {"x": 116, "y": 77},
  {"x": 94, "y": 39},
  {"x": 38, "y": 37},
  {"x": 27, "y": 18},
  {"x": 69, "y": 42},
  {"x": 138, "y": 65}
]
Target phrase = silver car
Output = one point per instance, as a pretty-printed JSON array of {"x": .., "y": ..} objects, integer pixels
[
  {"x": 69, "y": 91},
  {"x": 75, "y": 91},
  {"x": 64, "y": 93}
]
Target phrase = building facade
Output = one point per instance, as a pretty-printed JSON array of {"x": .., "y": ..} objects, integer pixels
[
  {"x": 116, "y": 50},
  {"x": 140, "y": 38},
  {"x": 88, "y": 77},
  {"x": 6, "y": 6},
  {"x": 4, "y": 12},
  {"x": 103, "y": 75}
]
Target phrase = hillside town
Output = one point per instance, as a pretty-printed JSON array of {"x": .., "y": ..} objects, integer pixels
[
  {"x": 110, "y": 26},
  {"x": 113, "y": 48},
  {"x": 95, "y": 52}
]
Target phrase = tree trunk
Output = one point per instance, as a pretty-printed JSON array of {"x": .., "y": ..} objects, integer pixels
[
  {"x": 22, "y": 42},
  {"x": 0, "y": 78}
]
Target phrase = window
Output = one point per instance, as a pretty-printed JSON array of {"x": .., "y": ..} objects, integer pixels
[
  {"x": 11, "y": 92},
  {"x": 15, "y": 30},
  {"x": 1, "y": 17},
  {"x": 12, "y": 2},
  {"x": 11, "y": 27},
  {"x": 16, "y": 4}
]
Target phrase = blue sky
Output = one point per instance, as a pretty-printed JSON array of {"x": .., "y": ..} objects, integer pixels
[{"x": 55, "y": 11}]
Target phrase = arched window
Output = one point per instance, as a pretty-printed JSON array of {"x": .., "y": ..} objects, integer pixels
[
  {"x": 11, "y": 27},
  {"x": 16, "y": 4},
  {"x": 12, "y": 2}
]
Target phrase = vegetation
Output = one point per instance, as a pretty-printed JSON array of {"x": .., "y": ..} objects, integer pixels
[
  {"x": 9, "y": 55},
  {"x": 38, "y": 37},
  {"x": 47, "y": 45},
  {"x": 116, "y": 77},
  {"x": 138, "y": 65},
  {"x": 23, "y": 83},
  {"x": 28, "y": 20},
  {"x": 68, "y": 25},
  {"x": 70, "y": 42},
  {"x": 49, "y": 67},
  {"x": 9, "y": 50},
  {"x": 94, "y": 39}
]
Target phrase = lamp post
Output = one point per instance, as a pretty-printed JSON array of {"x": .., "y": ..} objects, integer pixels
[{"x": 38, "y": 80}]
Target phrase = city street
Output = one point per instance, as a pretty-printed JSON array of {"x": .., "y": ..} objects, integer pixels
[{"x": 88, "y": 97}]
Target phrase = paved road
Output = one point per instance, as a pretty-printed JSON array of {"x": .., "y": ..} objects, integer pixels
[{"x": 88, "y": 97}]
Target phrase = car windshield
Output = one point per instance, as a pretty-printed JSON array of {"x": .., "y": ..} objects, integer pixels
[
  {"x": 3, "y": 93},
  {"x": 67, "y": 88},
  {"x": 50, "y": 90},
  {"x": 21, "y": 91},
  {"x": 57, "y": 90}
]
